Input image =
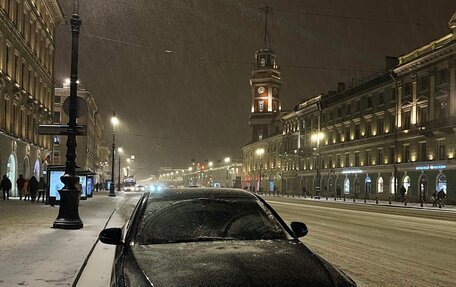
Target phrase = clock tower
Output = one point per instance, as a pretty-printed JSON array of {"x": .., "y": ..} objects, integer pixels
[{"x": 265, "y": 84}]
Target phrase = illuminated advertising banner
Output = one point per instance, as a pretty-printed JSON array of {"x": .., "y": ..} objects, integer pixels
[
  {"x": 83, "y": 182},
  {"x": 55, "y": 184},
  {"x": 89, "y": 186}
]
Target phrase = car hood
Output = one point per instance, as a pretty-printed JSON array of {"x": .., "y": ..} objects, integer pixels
[{"x": 234, "y": 263}]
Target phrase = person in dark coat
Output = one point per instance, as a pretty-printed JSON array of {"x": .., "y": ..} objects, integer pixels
[
  {"x": 20, "y": 186},
  {"x": 338, "y": 193},
  {"x": 32, "y": 188},
  {"x": 41, "y": 189},
  {"x": 6, "y": 187}
]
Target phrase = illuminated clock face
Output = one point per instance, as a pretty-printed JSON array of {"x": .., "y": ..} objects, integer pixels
[{"x": 261, "y": 90}]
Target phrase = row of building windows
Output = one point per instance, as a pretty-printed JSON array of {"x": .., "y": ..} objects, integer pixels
[
  {"x": 31, "y": 32},
  {"x": 423, "y": 153},
  {"x": 18, "y": 69}
]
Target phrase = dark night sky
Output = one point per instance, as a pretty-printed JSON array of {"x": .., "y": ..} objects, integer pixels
[{"x": 177, "y": 71}]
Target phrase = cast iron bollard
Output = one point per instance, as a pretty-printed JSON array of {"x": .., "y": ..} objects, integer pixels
[
  {"x": 376, "y": 200},
  {"x": 389, "y": 199},
  {"x": 354, "y": 199},
  {"x": 344, "y": 197},
  {"x": 405, "y": 201}
]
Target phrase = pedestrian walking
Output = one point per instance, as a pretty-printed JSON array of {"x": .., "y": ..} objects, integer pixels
[
  {"x": 402, "y": 191},
  {"x": 441, "y": 195},
  {"x": 338, "y": 192},
  {"x": 41, "y": 189},
  {"x": 6, "y": 187},
  {"x": 26, "y": 190},
  {"x": 32, "y": 188},
  {"x": 20, "y": 186}
]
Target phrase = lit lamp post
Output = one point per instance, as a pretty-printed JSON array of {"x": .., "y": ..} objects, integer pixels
[
  {"x": 68, "y": 217},
  {"x": 227, "y": 161},
  {"x": 259, "y": 152},
  {"x": 317, "y": 137},
  {"x": 114, "y": 122}
]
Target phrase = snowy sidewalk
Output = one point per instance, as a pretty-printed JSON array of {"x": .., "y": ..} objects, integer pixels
[
  {"x": 360, "y": 201},
  {"x": 32, "y": 253}
]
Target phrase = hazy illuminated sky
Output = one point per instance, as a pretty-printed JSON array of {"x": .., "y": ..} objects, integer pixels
[{"x": 177, "y": 71}]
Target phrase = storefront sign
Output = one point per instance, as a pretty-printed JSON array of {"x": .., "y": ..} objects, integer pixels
[
  {"x": 431, "y": 167},
  {"x": 352, "y": 171}
]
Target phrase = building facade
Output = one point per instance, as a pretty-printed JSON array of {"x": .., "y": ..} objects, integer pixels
[
  {"x": 90, "y": 154},
  {"x": 27, "y": 45},
  {"x": 391, "y": 132}
]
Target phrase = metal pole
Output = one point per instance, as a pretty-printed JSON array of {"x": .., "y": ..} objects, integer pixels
[
  {"x": 111, "y": 190},
  {"x": 68, "y": 217},
  {"x": 118, "y": 179}
]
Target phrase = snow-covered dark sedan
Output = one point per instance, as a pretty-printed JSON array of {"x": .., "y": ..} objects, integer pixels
[{"x": 213, "y": 237}]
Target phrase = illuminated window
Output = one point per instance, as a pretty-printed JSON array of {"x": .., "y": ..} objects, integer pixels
[
  {"x": 261, "y": 105},
  {"x": 380, "y": 185},
  {"x": 346, "y": 186}
]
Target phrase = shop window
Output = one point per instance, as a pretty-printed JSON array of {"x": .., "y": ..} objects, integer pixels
[
  {"x": 406, "y": 183},
  {"x": 392, "y": 184},
  {"x": 380, "y": 185},
  {"x": 346, "y": 186},
  {"x": 442, "y": 183}
]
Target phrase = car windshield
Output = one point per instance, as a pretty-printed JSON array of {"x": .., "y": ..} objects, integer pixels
[{"x": 204, "y": 219}]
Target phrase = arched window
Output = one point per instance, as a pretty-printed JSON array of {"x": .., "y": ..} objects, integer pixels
[
  {"x": 392, "y": 185},
  {"x": 406, "y": 183},
  {"x": 36, "y": 169},
  {"x": 347, "y": 186},
  {"x": 442, "y": 183},
  {"x": 380, "y": 185}
]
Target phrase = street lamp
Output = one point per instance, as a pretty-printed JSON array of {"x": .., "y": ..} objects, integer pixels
[
  {"x": 68, "y": 217},
  {"x": 259, "y": 152},
  {"x": 114, "y": 122},
  {"x": 317, "y": 137}
]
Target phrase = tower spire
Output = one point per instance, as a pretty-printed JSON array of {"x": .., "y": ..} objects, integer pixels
[{"x": 267, "y": 37}]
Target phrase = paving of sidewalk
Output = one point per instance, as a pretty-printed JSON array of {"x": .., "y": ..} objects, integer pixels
[{"x": 32, "y": 253}]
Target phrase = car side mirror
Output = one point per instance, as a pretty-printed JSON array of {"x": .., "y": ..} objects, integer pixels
[
  {"x": 111, "y": 236},
  {"x": 299, "y": 229}
]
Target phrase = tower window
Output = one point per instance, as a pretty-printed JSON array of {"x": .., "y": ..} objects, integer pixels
[
  {"x": 260, "y": 135},
  {"x": 261, "y": 105},
  {"x": 262, "y": 62}
]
